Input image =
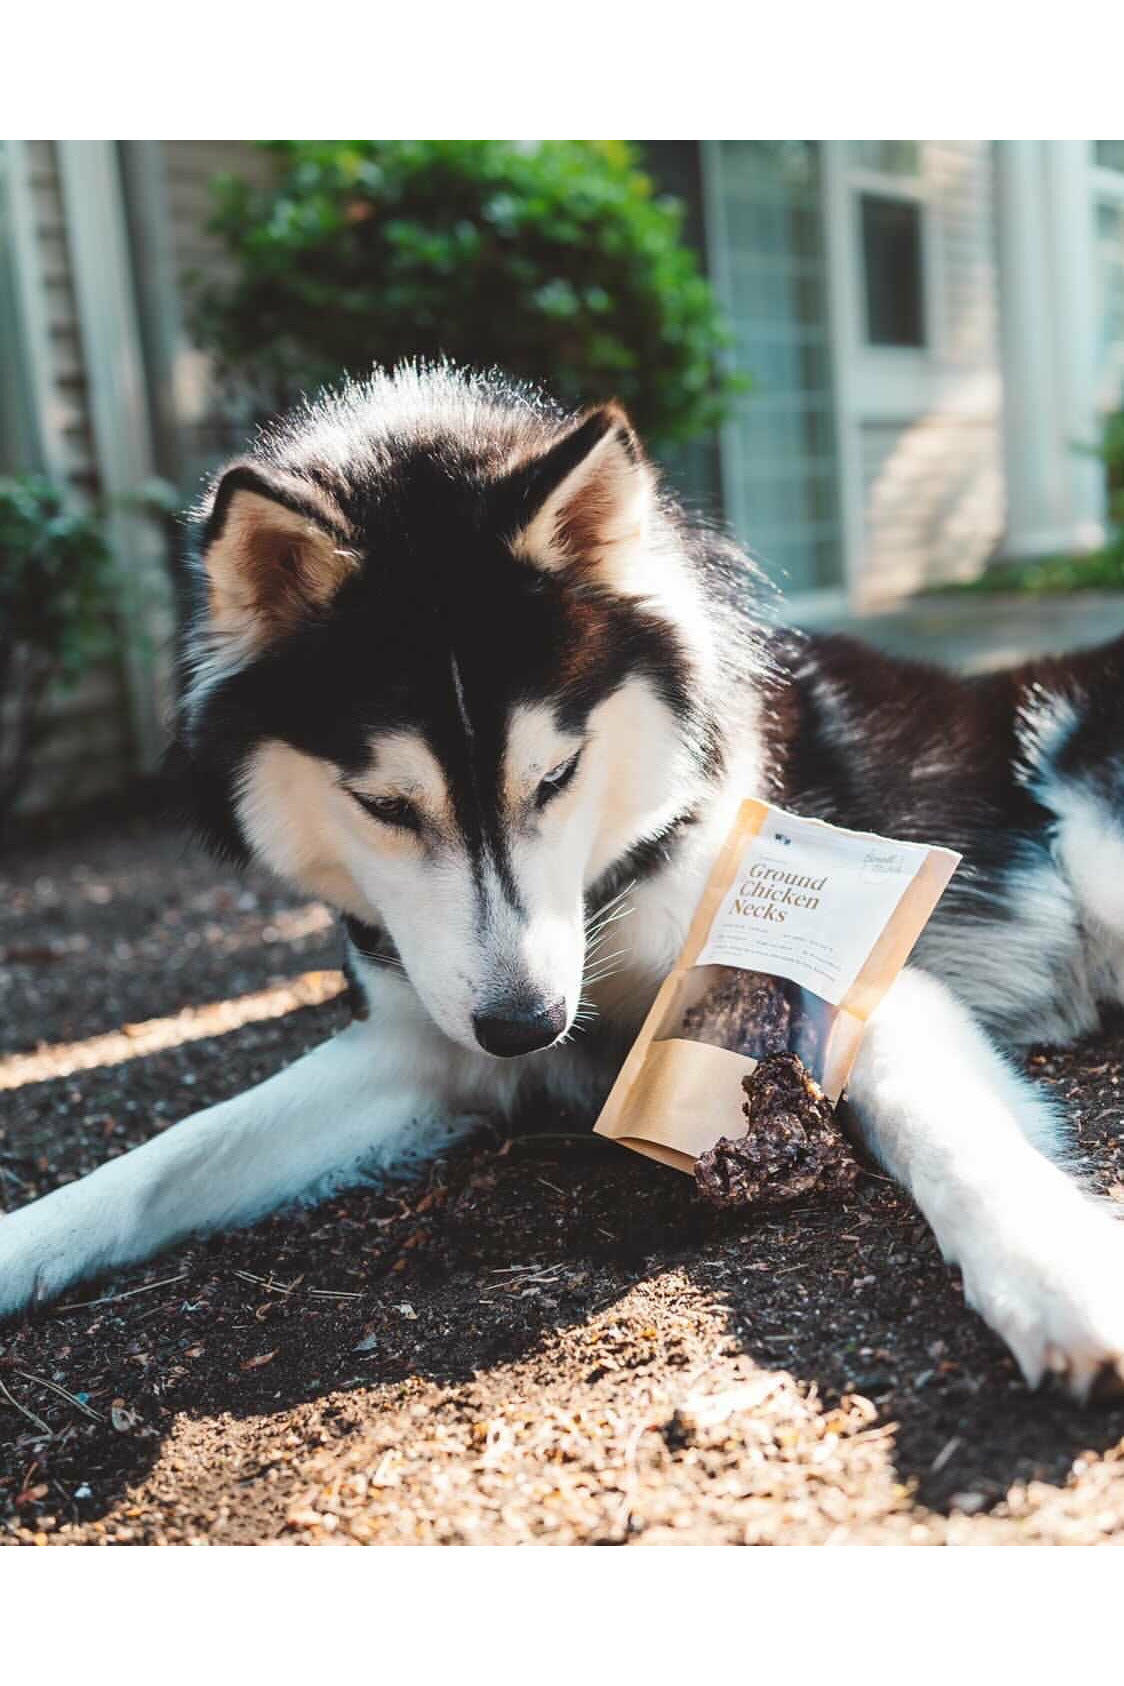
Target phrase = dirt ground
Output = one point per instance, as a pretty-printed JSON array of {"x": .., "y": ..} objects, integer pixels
[{"x": 549, "y": 1340}]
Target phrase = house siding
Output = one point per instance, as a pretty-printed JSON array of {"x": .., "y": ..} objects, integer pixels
[
  {"x": 69, "y": 394},
  {"x": 932, "y": 501},
  {"x": 87, "y": 747}
]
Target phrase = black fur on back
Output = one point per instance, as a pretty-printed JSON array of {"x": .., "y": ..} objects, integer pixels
[{"x": 912, "y": 751}]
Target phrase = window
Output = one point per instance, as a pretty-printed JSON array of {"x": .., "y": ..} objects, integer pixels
[
  {"x": 892, "y": 270},
  {"x": 889, "y": 198},
  {"x": 780, "y": 462}
]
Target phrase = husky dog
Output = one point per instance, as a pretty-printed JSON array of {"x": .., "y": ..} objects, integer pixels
[{"x": 459, "y": 668}]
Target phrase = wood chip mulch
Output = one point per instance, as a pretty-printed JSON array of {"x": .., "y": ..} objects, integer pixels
[{"x": 547, "y": 1340}]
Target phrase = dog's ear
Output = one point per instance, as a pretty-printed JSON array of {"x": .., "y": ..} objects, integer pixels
[
  {"x": 275, "y": 553},
  {"x": 586, "y": 501}
]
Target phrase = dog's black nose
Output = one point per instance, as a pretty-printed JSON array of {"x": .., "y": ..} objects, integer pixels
[{"x": 509, "y": 1028}]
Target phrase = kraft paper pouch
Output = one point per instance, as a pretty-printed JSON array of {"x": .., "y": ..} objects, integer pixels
[{"x": 801, "y": 930}]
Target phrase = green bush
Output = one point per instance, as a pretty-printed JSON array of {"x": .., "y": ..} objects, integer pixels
[
  {"x": 54, "y": 610},
  {"x": 554, "y": 261}
]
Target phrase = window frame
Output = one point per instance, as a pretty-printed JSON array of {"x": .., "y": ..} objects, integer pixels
[{"x": 891, "y": 380}]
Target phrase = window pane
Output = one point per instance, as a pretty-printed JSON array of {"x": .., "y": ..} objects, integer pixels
[
  {"x": 890, "y": 157},
  {"x": 1110, "y": 155},
  {"x": 782, "y": 486},
  {"x": 891, "y": 233}
]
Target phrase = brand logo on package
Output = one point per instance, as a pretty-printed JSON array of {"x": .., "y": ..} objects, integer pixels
[{"x": 886, "y": 863}]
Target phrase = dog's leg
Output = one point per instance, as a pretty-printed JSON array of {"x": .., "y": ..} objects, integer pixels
[
  {"x": 1043, "y": 1262},
  {"x": 369, "y": 1101}
]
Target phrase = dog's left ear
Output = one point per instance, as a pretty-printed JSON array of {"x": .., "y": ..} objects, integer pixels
[
  {"x": 586, "y": 502},
  {"x": 275, "y": 554}
]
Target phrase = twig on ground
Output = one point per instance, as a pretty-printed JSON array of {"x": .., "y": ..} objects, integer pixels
[
  {"x": 23, "y": 1410},
  {"x": 109, "y": 1299},
  {"x": 268, "y": 1283},
  {"x": 273, "y": 1287},
  {"x": 63, "y": 1393}
]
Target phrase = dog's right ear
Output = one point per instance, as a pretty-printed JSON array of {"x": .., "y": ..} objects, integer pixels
[
  {"x": 275, "y": 553},
  {"x": 584, "y": 503}
]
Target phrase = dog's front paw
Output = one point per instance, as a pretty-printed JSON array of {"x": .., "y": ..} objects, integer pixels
[
  {"x": 41, "y": 1253},
  {"x": 1058, "y": 1302}
]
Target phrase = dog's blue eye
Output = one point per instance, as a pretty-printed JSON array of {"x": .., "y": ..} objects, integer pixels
[
  {"x": 557, "y": 780},
  {"x": 391, "y": 810}
]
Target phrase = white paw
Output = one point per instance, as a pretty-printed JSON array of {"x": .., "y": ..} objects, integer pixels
[
  {"x": 44, "y": 1247},
  {"x": 1057, "y": 1299}
]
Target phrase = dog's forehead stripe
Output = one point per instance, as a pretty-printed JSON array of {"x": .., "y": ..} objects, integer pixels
[
  {"x": 462, "y": 706},
  {"x": 475, "y": 776}
]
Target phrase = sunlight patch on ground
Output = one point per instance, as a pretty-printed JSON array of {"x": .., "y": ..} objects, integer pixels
[{"x": 152, "y": 1036}]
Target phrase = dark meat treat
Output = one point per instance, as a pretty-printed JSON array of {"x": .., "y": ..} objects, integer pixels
[
  {"x": 746, "y": 1012},
  {"x": 792, "y": 1148}
]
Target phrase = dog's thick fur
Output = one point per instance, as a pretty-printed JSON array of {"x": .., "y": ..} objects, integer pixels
[{"x": 458, "y": 667}]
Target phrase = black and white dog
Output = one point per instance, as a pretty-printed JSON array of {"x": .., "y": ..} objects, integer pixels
[{"x": 460, "y": 669}]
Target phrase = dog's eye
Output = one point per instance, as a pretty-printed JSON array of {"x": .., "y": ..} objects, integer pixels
[
  {"x": 557, "y": 779},
  {"x": 391, "y": 810}
]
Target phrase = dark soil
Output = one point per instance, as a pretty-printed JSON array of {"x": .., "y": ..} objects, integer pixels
[{"x": 551, "y": 1339}]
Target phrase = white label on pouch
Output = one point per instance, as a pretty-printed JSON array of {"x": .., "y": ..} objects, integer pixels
[{"x": 809, "y": 902}]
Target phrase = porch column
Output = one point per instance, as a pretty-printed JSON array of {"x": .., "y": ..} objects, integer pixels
[
  {"x": 1047, "y": 321},
  {"x": 1073, "y": 254},
  {"x": 1034, "y": 494}
]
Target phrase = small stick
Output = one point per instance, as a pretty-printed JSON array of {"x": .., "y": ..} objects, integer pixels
[
  {"x": 266, "y": 1282},
  {"x": 110, "y": 1299},
  {"x": 291, "y": 1288},
  {"x": 23, "y": 1411},
  {"x": 42, "y": 1381},
  {"x": 944, "y": 1454}
]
